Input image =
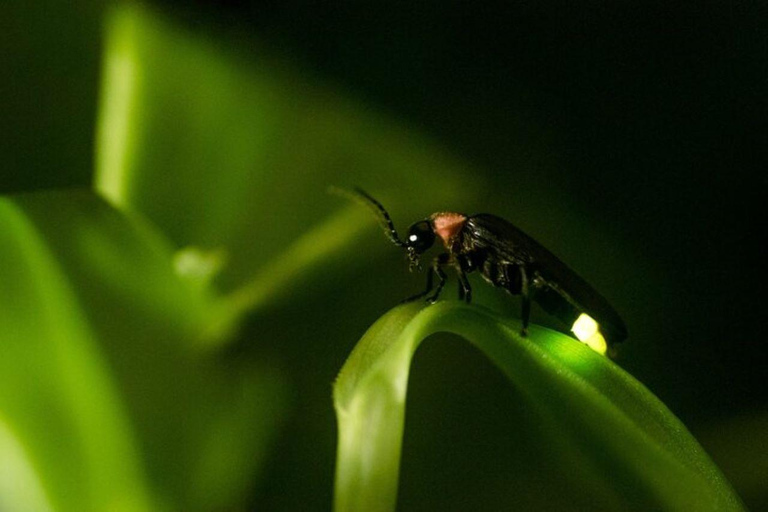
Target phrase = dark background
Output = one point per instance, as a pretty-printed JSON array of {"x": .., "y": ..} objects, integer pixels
[
  {"x": 647, "y": 121},
  {"x": 656, "y": 114}
]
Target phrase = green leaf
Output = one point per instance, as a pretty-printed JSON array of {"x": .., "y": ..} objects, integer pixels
[
  {"x": 614, "y": 434},
  {"x": 107, "y": 389},
  {"x": 59, "y": 406},
  {"x": 226, "y": 148}
]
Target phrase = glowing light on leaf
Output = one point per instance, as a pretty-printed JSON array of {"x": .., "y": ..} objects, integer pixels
[
  {"x": 597, "y": 343},
  {"x": 584, "y": 327}
]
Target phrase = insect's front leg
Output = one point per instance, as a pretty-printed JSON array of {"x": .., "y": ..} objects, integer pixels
[{"x": 436, "y": 269}]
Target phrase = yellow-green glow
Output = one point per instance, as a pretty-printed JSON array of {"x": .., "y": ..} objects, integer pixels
[
  {"x": 597, "y": 343},
  {"x": 584, "y": 327}
]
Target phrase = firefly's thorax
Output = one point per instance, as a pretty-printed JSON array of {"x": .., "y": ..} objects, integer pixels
[{"x": 448, "y": 225}]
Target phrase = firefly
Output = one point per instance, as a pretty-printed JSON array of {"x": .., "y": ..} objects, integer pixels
[{"x": 507, "y": 258}]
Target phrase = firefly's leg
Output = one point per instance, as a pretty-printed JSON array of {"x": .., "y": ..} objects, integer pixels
[
  {"x": 436, "y": 263},
  {"x": 525, "y": 292},
  {"x": 422, "y": 294},
  {"x": 465, "y": 290},
  {"x": 436, "y": 266}
]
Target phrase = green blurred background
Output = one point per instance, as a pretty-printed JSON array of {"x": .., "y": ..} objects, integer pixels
[{"x": 630, "y": 139}]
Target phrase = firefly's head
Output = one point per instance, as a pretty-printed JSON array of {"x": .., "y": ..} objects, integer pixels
[{"x": 421, "y": 236}]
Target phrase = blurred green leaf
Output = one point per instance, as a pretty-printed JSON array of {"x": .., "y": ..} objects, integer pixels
[
  {"x": 20, "y": 486},
  {"x": 214, "y": 166},
  {"x": 103, "y": 388},
  {"x": 614, "y": 434},
  {"x": 232, "y": 150},
  {"x": 57, "y": 396}
]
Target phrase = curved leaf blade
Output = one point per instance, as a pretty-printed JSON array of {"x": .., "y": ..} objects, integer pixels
[{"x": 621, "y": 434}]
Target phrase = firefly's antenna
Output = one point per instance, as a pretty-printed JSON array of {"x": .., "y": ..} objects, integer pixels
[{"x": 362, "y": 197}]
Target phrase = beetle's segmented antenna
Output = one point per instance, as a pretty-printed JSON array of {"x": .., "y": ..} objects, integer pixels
[{"x": 362, "y": 197}]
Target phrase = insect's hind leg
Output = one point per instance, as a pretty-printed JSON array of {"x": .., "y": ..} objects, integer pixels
[
  {"x": 514, "y": 278},
  {"x": 525, "y": 292}
]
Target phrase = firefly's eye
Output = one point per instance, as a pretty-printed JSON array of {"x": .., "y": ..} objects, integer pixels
[{"x": 421, "y": 236}]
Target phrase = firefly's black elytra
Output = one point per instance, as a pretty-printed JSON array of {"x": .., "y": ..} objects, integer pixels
[{"x": 507, "y": 258}]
